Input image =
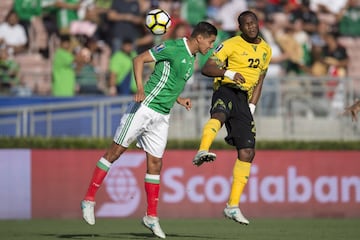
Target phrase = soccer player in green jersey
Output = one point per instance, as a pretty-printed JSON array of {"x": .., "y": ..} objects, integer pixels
[
  {"x": 147, "y": 120},
  {"x": 239, "y": 66}
]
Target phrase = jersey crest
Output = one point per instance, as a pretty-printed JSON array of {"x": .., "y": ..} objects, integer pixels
[
  {"x": 264, "y": 56},
  {"x": 159, "y": 47}
]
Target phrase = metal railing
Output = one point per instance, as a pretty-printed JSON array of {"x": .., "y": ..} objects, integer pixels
[{"x": 290, "y": 108}]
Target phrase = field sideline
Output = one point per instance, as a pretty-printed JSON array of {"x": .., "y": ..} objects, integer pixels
[{"x": 187, "y": 229}]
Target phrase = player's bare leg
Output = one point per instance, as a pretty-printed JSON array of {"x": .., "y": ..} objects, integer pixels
[{"x": 100, "y": 172}]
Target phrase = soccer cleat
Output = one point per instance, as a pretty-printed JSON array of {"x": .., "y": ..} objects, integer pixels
[
  {"x": 153, "y": 224},
  {"x": 203, "y": 156},
  {"x": 235, "y": 214},
  {"x": 87, "y": 208}
]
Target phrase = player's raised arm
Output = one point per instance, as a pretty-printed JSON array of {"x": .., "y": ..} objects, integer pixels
[{"x": 215, "y": 68}]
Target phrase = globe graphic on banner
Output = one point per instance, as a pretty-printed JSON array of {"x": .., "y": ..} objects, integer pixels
[{"x": 121, "y": 185}]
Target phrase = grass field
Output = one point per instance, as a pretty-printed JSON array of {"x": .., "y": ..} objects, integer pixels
[{"x": 187, "y": 229}]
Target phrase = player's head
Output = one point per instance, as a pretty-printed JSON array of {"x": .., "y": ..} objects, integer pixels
[
  {"x": 205, "y": 34},
  {"x": 249, "y": 25}
]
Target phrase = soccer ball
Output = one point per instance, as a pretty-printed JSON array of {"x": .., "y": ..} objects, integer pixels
[{"x": 158, "y": 21}]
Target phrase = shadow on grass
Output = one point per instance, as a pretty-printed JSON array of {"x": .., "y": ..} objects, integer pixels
[{"x": 124, "y": 236}]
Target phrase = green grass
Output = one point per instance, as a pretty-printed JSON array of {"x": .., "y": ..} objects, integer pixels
[{"x": 185, "y": 229}]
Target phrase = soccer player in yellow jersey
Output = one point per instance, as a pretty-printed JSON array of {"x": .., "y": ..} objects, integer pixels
[{"x": 239, "y": 67}]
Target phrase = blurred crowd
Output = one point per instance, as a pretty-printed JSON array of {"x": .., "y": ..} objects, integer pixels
[{"x": 86, "y": 47}]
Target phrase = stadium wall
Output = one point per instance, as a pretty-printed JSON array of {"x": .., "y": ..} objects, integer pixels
[{"x": 283, "y": 184}]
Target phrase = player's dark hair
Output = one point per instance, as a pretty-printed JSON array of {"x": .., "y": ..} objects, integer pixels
[
  {"x": 204, "y": 28},
  {"x": 246, "y": 13}
]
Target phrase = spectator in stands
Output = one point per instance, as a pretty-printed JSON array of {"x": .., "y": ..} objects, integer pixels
[
  {"x": 179, "y": 31},
  {"x": 303, "y": 39},
  {"x": 100, "y": 57},
  {"x": 213, "y": 7},
  {"x": 98, "y": 15},
  {"x": 64, "y": 81},
  {"x": 9, "y": 72},
  {"x": 228, "y": 14},
  {"x": 89, "y": 19},
  {"x": 276, "y": 69},
  {"x": 122, "y": 80},
  {"x": 176, "y": 20},
  {"x": 327, "y": 6},
  {"x": 279, "y": 6},
  {"x": 194, "y": 11},
  {"x": 12, "y": 34},
  {"x": 335, "y": 59},
  {"x": 66, "y": 12},
  {"x": 286, "y": 38},
  {"x": 26, "y": 9},
  {"x": 308, "y": 17},
  {"x": 91, "y": 73},
  {"x": 349, "y": 19},
  {"x": 87, "y": 78},
  {"x": 335, "y": 56},
  {"x": 126, "y": 22}
]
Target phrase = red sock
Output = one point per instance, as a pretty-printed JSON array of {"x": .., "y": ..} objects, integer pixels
[
  {"x": 152, "y": 188},
  {"x": 101, "y": 169}
]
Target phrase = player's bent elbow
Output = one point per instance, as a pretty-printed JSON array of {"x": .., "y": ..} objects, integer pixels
[{"x": 205, "y": 72}]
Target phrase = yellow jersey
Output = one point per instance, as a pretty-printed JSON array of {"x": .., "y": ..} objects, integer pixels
[{"x": 249, "y": 59}]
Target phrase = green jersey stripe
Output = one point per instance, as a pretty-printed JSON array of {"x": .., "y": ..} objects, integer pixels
[
  {"x": 129, "y": 119},
  {"x": 152, "y": 181},
  {"x": 160, "y": 85},
  {"x": 102, "y": 166}
]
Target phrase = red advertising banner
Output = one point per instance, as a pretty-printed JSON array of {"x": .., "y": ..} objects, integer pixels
[{"x": 282, "y": 184}]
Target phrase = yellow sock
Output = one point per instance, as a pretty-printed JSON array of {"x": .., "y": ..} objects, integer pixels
[
  {"x": 210, "y": 131},
  {"x": 241, "y": 172}
]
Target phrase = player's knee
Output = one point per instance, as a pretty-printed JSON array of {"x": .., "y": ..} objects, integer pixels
[
  {"x": 114, "y": 152},
  {"x": 221, "y": 116},
  {"x": 246, "y": 154},
  {"x": 154, "y": 165}
]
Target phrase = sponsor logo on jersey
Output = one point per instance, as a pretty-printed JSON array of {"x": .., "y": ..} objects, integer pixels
[
  {"x": 159, "y": 47},
  {"x": 264, "y": 56}
]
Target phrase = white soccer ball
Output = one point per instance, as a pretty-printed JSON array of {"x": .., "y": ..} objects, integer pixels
[{"x": 158, "y": 21}]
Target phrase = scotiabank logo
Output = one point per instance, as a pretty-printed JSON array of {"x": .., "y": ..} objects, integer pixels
[
  {"x": 122, "y": 187},
  {"x": 291, "y": 187}
]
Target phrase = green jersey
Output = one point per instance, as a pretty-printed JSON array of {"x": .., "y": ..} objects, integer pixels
[
  {"x": 66, "y": 16},
  {"x": 174, "y": 66},
  {"x": 121, "y": 64},
  {"x": 63, "y": 74},
  {"x": 26, "y": 9}
]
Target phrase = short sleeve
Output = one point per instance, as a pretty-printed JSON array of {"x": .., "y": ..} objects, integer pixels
[
  {"x": 222, "y": 52},
  {"x": 161, "y": 52}
]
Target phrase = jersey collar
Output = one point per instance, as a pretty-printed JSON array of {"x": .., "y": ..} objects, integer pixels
[{"x": 187, "y": 47}]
